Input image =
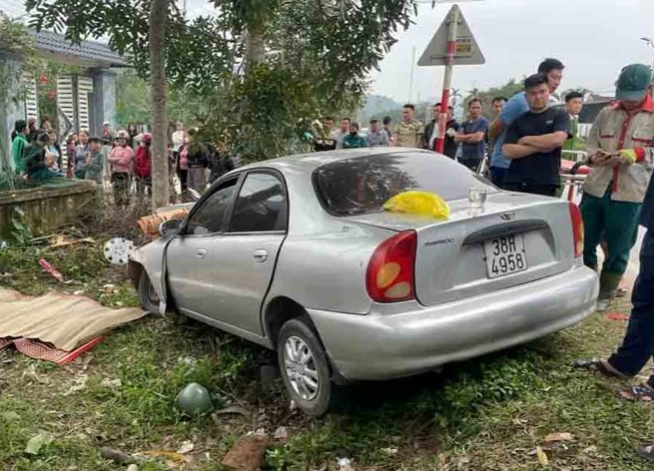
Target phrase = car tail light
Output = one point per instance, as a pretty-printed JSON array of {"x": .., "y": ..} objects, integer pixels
[
  {"x": 577, "y": 229},
  {"x": 390, "y": 275}
]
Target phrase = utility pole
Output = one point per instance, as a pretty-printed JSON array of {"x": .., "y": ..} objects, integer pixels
[
  {"x": 413, "y": 69},
  {"x": 453, "y": 25},
  {"x": 650, "y": 43}
]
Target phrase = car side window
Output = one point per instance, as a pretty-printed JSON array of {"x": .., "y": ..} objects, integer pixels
[
  {"x": 260, "y": 206},
  {"x": 208, "y": 219}
]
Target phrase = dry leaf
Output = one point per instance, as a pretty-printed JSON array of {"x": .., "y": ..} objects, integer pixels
[
  {"x": 559, "y": 437},
  {"x": 187, "y": 447},
  {"x": 542, "y": 456}
]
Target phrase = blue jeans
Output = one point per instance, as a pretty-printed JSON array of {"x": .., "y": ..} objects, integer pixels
[
  {"x": 497, "y": 176},
  {"x": 638, "y": 345}
]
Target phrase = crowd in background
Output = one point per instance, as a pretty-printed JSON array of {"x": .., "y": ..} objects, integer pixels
[{"x": 122, "y": 160}]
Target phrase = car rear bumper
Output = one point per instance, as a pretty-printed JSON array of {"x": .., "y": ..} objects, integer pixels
[{"x": 384, "y": 346}]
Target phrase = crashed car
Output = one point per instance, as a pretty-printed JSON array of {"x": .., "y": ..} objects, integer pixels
[{"x": 298, "y": 255}]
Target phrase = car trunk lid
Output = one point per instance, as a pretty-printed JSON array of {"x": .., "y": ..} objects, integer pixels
[{"x": 516, "y": 239}]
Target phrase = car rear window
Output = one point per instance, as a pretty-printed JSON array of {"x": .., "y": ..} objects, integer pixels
[{"x": 363, "y": 184}]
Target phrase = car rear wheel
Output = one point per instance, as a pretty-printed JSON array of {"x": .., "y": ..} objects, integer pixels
[
  {"x": 147, "y": 294},
  {"x": 304, "y": 367}
]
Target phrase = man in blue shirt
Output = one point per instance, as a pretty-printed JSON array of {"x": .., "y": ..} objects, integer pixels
[
  {"x": 472, "y": 136},
  {"x": 516, "y": 106}
]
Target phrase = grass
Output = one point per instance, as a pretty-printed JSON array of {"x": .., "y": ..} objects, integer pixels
[{"x": 488, "y": 414}]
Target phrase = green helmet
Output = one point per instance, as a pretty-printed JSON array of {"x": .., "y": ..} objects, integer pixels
[{"x": 194, "y": 399}]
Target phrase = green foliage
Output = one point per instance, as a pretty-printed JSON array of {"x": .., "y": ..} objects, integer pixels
[
  {"x": 507, "y": 90},
  {"x": 318, "y": 55},
  {"x": 19, "y": 231}
]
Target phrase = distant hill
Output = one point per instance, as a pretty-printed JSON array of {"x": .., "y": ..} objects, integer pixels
[{"x": 376, "y": 105}]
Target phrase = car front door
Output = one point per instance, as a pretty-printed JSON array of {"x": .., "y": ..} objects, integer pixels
[
  {"x": 191, "y": 256},
  {"x": 249, "y": 248}
]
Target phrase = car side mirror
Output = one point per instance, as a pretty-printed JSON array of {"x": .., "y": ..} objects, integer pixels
[{"x": 170, "y": 228}]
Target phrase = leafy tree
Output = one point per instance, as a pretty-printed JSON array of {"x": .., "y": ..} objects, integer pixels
[{"x": 267, "y": 68}]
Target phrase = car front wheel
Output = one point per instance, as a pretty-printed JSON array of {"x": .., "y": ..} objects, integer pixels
[
  {"x": 304, "y": 367},
  {"x": 147, "y": 294}
]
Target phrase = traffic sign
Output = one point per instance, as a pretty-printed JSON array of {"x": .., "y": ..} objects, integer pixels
[{"x": 467, "y": 49}]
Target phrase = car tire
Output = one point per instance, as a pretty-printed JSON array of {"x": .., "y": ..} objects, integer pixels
[
  {"x": 147, "y": 294},
  {"x": 304, "y": 367}
]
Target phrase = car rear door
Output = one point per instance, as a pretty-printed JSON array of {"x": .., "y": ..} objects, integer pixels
[
  {"x": 192, "y": 256},
  {"x": 250, "y": 245}
]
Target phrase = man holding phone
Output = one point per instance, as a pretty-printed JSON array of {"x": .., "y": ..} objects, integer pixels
[{"x": 621, "y": 152}]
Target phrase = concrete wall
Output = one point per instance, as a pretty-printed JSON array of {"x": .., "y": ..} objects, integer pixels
[{"x": 47, "y": 209}]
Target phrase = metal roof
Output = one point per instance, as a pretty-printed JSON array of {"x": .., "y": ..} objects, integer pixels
[{"x": 87, "y": 53}]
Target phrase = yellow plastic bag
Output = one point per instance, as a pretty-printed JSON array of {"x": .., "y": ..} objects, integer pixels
[{"x": 419, "y": 202}]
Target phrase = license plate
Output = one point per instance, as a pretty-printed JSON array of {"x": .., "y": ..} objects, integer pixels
[{"x": 505, "y": 256}]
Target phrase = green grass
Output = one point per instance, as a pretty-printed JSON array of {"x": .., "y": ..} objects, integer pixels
[{"x": 487, "y": 414}]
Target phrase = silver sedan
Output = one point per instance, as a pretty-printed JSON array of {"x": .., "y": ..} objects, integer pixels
[{"x": 298, "y": 255}]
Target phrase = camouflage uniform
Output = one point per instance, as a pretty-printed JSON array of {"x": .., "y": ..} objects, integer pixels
[{"x": 409, "y": 134}]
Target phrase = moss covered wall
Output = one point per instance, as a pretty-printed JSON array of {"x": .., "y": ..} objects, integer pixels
[{"x": 47, "y": 209}]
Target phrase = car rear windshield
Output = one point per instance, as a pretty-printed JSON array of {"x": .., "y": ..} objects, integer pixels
[{"x": 363, "y": 184}]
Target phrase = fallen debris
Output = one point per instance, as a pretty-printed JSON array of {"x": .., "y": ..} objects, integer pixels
[
  {"x": 51, "y": 270},
  {"x": 111, "y": 383},
  {"x": 37, "y": 442},
  {"x": 559, "y": 437},
  {"x": 237, "y": 410},
  {"x": 542, "y": 457},
  {"x": 617, "y": 316},
  {"x": 247, "y": 453},
  {"x": 281, "y": 434},
  {"x": 80, "y": 384},
  {"x": 194, "y": 399},
  {"x": 56, "y": 327},
  {"x": 344, "y": 464},
  {"x": 117, "y": 456},
  {"x": 118, "y": 250},
  {"x": 187, "y": 447}
]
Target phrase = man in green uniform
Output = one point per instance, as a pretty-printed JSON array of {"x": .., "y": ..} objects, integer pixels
[{"x": 620, "y": 146}]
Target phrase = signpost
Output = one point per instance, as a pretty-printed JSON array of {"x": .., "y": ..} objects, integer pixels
[{"x": 453, "y": 44}]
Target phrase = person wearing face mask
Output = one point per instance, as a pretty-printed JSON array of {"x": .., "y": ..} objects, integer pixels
[
  {"x": 353, "y": 140},
  {"x": 121, "y": 161}
]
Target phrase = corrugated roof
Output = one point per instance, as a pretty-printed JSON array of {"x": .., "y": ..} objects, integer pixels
[{"x": 53, "y": 43}]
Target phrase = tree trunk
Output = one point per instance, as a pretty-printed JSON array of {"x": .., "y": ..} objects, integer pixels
[
  {"x": 255, "y": 47},
  {"x": 158, "y": 95}
]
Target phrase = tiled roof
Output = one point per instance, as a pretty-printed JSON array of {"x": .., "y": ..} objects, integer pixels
[{"x": 54, "y": 43}]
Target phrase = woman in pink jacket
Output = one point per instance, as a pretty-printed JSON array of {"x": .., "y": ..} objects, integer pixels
[{"x": 121, "y": 160}]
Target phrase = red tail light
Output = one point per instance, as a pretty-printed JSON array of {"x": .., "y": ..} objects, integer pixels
[
  {"x": 577, "y": 229},
  {"x": 390, "y": 277}
]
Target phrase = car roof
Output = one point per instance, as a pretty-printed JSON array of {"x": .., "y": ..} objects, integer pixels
[{"x": 309, "y": 162}]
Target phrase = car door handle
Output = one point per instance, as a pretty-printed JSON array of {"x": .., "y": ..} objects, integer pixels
[
  {"x": 201, "y": 253},
  {"x": 260, "y": 256}
]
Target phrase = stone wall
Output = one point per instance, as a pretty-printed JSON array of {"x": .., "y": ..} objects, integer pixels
[{"x": 47, "y": 209}]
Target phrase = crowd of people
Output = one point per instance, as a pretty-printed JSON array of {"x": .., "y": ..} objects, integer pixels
[{"x": 122, "y": 159}]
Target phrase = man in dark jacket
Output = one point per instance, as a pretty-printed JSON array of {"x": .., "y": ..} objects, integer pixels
[{"x": 431, "y": 132}]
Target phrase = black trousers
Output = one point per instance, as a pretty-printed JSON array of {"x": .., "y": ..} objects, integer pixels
[{"x": 638, "y": 345}]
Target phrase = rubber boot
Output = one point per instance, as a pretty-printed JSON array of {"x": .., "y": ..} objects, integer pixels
[{"x": 609, "y": 284}]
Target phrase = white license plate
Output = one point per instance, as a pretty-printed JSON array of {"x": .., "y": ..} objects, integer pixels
[{"x": 505, "y": 255}]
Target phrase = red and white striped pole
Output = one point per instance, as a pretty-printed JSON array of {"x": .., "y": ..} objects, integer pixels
[{"x": 447, "y": 81}]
